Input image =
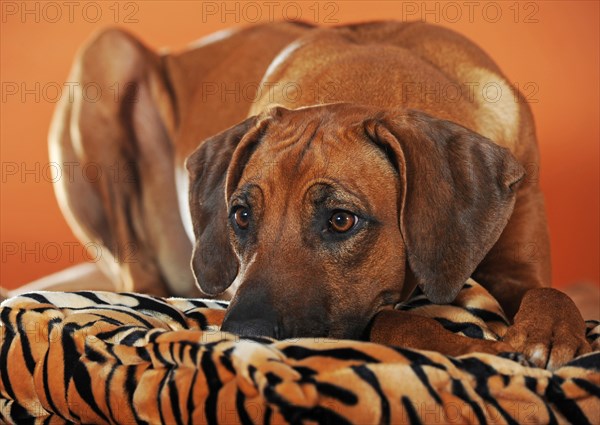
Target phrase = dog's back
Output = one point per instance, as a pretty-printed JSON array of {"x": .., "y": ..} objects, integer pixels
[{"x": 398, "y": 64}]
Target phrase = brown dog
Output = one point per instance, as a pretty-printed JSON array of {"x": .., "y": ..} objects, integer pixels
[{"x": 377, "y": 161}]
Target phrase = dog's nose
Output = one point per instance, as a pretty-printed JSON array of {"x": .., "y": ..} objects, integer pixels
[
  {"x": 251, "y": 315},
  {"x": 250, "y": 327}
]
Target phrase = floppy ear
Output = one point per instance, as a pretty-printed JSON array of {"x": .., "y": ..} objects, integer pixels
[
  {"x": 213, "y": 261},
  {"x": 458, "y": 191}
]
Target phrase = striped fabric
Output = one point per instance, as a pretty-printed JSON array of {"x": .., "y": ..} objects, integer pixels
[{"x": 105, "y": 358}]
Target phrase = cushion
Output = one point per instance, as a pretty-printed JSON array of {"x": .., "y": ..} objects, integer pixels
[{"x": 107, "y": 358}]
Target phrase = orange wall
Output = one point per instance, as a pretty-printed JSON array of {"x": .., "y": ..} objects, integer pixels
[{"x": 553, "y": 46}]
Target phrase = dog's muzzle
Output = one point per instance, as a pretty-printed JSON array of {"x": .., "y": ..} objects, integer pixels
[
  {"x": 254, "y": 313},
  {"x": 251, "y": 313},
  {"x": 252, "y": 319}
]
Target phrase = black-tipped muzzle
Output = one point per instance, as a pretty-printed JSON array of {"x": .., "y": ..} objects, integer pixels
[{"x": 251, "y": 315}]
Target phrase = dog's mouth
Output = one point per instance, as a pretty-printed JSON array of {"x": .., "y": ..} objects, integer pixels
[{"x": 319, "y": 328}]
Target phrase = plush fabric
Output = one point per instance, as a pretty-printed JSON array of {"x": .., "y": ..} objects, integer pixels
[{"x": 97, "y": 357}]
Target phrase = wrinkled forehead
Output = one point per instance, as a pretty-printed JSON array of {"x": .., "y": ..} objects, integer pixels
[{"x": 296, "y": 150}]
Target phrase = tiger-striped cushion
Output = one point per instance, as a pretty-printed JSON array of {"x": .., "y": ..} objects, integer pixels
[{"x": 98, "y": 357}]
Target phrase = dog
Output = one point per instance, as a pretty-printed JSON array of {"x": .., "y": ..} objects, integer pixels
[{"x": 320, "y": 204}]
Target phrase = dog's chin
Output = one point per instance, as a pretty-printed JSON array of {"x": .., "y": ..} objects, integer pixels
[
  {"x": 348, "y": 329},
  {"x": 322, "y": 331},
  {"x": 356, "y": 334}
]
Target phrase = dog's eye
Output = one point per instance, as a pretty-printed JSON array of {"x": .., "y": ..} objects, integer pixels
[
  {"x": 242, "y": 217},
  {"x": 342, "y": 221}
]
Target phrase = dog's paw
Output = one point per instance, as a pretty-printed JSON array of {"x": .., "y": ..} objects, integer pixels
[
  {"x": 548, "y": 329},
  {"x": 516, "y": 357},
  {"x": 486, "y": 346}
]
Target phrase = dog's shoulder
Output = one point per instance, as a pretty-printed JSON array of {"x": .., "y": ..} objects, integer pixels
[{"x": 499, "y": 110}]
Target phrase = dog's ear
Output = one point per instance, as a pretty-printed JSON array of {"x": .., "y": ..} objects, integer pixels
[
  {"x": 457, "y": 193},
  {"x": 213, "y": 261}
]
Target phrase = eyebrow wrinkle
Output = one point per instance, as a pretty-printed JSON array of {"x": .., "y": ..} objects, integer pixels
[
  {"x": 338, "y": 192},
  {"x": 340, "y": 187},
  {"x": 306, "y": 148}
]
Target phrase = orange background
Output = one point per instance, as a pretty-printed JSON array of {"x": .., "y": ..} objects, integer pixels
[{"x": 551, "y": 45}]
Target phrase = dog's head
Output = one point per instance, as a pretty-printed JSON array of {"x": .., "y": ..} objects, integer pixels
[{"x": 323, "y": 216}]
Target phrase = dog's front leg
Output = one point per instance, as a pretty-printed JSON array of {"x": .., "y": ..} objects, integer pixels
[{"x": 405, "y": 329}]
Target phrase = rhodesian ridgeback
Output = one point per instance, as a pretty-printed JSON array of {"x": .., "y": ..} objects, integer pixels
[{"x": 383, "y": 157}]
